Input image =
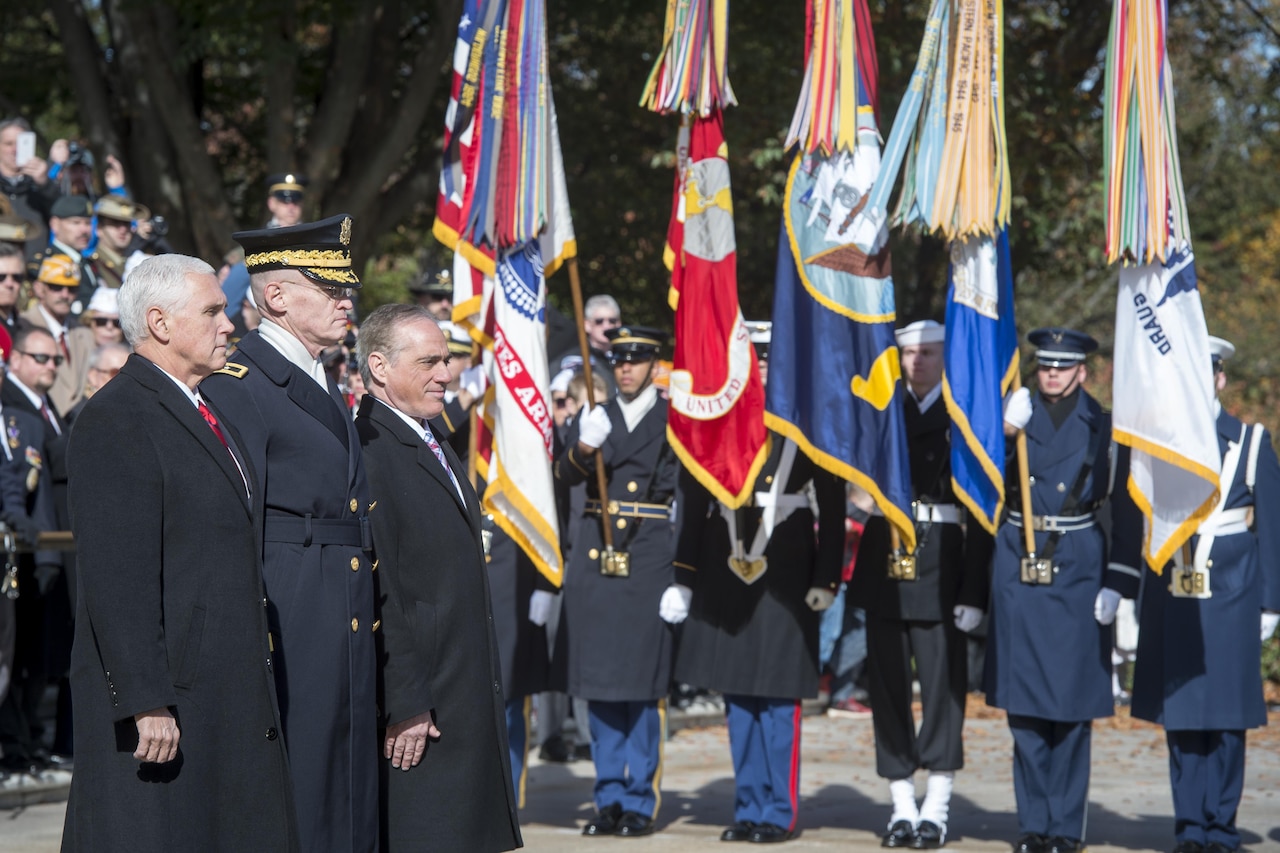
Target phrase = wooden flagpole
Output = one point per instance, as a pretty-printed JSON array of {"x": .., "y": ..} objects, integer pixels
[{"x": 602, "y": 482}]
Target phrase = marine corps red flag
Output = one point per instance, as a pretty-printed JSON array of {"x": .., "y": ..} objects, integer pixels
[{"x": 716, "y": 421}]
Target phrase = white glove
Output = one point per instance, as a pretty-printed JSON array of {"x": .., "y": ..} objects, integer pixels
[
  {"x": 594, "y": 427},
  {"x": 1106, "y": 605},
  {"x": 1270, "y": 619},
  {"x": 474, "y": 380},
  {"x": 967, "y": 617},
  {"x": 819, "y": 599},
  {"x": 674, "y": 606},
  {"x": 1017, "y": 408},
  {"x": 540, "y": 606}
]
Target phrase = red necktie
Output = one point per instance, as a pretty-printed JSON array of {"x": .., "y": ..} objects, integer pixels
[
  {"x": 62, "y": 342},
  {"x": 213, "y": 423}
]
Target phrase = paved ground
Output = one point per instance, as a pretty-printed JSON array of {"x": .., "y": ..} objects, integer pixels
[{"x": 844, "y": 805}]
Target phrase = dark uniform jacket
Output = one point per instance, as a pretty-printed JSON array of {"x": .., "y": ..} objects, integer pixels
[
  {"x": 757, "y": 639},
  {"x": 952, "y": 562},
  {"x": 1198, "y": 664},
  {"x": 617, "y": 647},
  {"x": 436, "y": 647},
  {"x": 319, "y": 581},
  {"x": 1047, "y": 656},
  {"x": 171, "y": 615}
]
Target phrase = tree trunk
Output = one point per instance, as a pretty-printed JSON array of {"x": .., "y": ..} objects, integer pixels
[{"x": 88, "y": 75}]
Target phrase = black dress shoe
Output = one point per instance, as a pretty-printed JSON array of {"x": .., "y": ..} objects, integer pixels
[
  {"x": 605, "y": 822},
  {"x": 634, "y": 825},
  {"x": 1031, "y": 843},
  {"x": 1059, "y": 844},
  {"x": 1219, "y": 847},
  {"x": 1188, "y": 847},
  {"x": 900, "y": 834},
  {"x": 928, "y": 836},
  {"x": 740, "y": 831},
  {"x": 768, "y": 833},
  {"x": 555, "y": 749}
]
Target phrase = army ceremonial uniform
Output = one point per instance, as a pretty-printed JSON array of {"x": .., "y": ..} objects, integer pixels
[
  {"x": 316, "y": 564},
  {"x": 1198, "y": 666},
  {"x": 750, "y": 634},
  {"x": 1048, "y": 658},
  {"x": 618, "y": 648}
]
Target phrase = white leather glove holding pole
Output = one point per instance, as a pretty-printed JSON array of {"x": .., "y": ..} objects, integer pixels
[
  {"x": 1106, "y": 605},
  {"x": 819, "y": 599},
  {"x": 594, "y": 427},
  {"x": 540, "y": 606},
  {"x": 1017, "y": 409},
  {"x": 474, "y": 380},
  {"x": 674, "y": 606},
  {"x": 967, "y": 617},
  {"x": 1270, "y": 620}
]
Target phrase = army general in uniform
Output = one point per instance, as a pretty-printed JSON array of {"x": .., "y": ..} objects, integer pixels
[
  {"x": 316, "y": 540},
  {"x": 619, "y": 648},
  {"x": 1198, "y": 671},
  {"x": 1049, "y": 647}
]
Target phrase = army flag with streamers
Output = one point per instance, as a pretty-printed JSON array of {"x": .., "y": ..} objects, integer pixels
[
  {"x": 716, "y": 418},
  {"x": 835, "y": 385},
  {"x": 1163, "y": 389},
  {"x": 503, "y": 208}
]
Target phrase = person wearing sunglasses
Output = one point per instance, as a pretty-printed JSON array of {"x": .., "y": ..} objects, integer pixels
[
  {"x": 13, "y": 275},
  {"x": 102, "y": 317},
  {"x": 55, "y": 289},
  {"x": 317, "y": 554},
  {"x": 116, "y": 238}
]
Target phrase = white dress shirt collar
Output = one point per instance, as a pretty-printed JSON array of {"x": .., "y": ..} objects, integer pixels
[{"x": 293, "y": 351}]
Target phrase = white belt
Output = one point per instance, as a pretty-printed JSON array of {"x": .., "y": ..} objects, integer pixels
[
  {"x": 782, "y": 501},
  {"x": 1054, "y": 523},
  {"x": 938, "y": 513},
  {"x": 1228, "y": 522}
]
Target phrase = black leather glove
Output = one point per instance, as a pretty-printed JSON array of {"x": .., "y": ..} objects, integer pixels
[{"x": 22, "y": 525}]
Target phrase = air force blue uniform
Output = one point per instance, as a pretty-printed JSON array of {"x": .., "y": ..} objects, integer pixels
[
  {"x": 1198, "y": 664},
  {"x": 1048, "y": 659}
]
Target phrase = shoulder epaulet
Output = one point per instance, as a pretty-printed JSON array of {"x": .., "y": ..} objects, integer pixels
[{"x": 239, "y": 371}]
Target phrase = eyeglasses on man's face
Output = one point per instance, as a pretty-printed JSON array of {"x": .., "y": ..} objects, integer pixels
[
  {"x": 606, "y": 321},
  {"x": 15, "y": 277},
  {"x": 66, "y": 288},
  {"x": 42, "y": 357},
  {"x": 334, "y": 292},
  {"x": 102, "y": 322}
]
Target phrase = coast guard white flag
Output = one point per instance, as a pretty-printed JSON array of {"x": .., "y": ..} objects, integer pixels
[{"x": 1163, "y": 401}]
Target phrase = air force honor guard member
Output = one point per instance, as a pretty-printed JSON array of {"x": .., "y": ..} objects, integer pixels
[
  {"x": 316, "y": 538},
  {"x": 918, "y": 608},
  {"x": 619, "y": 649},
  {"x": 758, "y": 577},
  {"x": 1198, "y": 667},
  {"x": 1049, "y": 647}
]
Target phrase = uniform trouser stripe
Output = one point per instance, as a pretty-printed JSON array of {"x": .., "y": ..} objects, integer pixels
[
  {"x": 519, "y": 719},
  {"x": 764, "y": 740}
]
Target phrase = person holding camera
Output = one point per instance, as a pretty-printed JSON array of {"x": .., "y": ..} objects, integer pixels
[{"x": 24, "y": 178}]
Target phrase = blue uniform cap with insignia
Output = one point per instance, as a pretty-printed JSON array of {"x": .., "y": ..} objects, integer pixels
[
  {"x": 761, "y": 332},
  {"x": 287, "y": 186},
  {"x": 1059, "y": 347},
  {"x": 634, "y": 343},
  {"x": 321, "y": 251}
]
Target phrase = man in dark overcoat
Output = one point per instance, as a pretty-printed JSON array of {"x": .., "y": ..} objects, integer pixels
[
  {"x": 1198, "y": 671},
  {"x": 618, "y": 646},
  {"x": 316, "y": 542},
  {"x": 177, "y": 727},
  {"x": 759, "y": 577},
  {"x": 446, "y": 778},
  {"x": 919, "y": 607},
  {"x": 1049, "y": 647}
]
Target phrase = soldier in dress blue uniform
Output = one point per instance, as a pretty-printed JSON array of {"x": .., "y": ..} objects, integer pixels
[
  {"x": 1199, "y": 645},
  {"x": 618, "y": 646},
  {"x": 759, "y": 577},
  {"x": 1049, "y": 647},
  {"x": 919, "y": 607},
  {"x": 316, "y": 563}
]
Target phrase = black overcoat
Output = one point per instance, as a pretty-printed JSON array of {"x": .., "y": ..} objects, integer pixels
[
  {"x": 436, "y": 647},
  {"x": 617, "y": 647},
  {"x": 170, "y": 614},
  {"x": 321, "y": 595},
  {"x": 758, "y": 639}
]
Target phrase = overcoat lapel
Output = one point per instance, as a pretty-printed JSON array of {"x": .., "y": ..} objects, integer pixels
[{"x": 302, "y": 389}]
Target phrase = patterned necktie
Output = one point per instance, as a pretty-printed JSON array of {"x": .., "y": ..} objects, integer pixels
[
  {"x": 213, "y": 423},
  {"x": 435, "y": 448}
]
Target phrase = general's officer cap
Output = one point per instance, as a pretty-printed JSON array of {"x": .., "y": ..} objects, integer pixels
[
  {"x": 634, "y": 343},
  {"x": 319, "y": 250},
  {"x": 68, "y": 206},
  {"x": 921, "y": 332},
  {"x": 761, "y": 332},
  {"x": 287, "y": 186},
  {"x": 1220, "y": 349},
  {"x": 1059, "y": 347},
  {"x": 439, "y": 283}
]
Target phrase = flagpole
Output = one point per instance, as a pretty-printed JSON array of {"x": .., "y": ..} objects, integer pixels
[
  {"x": 473, "y": 439},
  {"x": 1028, "y": 532},
  {"x": 602, "y": 482}
]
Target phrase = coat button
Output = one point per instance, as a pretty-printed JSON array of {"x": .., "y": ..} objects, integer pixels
[
  {"x": 622, "y": 524},
  {"x": 632, "y": 486},
  {"x": 593, "y": 554},
  {"x": 497, "y": 688},
  {"x": 355, "y": 564},
  {"x": 1032, "y": 479},
  {"x": 1062, "y": 487},
  {"x": 355, "y": 624},
  {"x": 271, "y": 734},
  {"x": 377, "y": 623},
  {"x": 355, "y": 505}
]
